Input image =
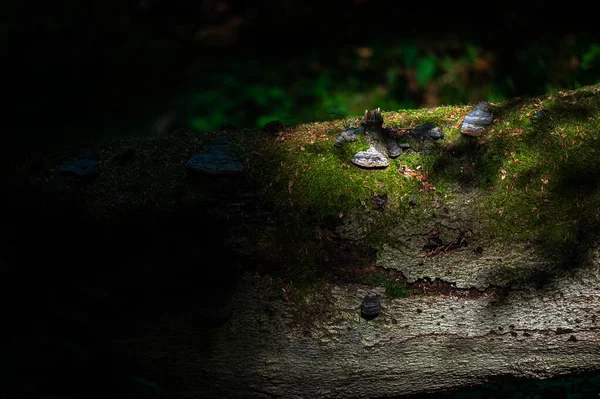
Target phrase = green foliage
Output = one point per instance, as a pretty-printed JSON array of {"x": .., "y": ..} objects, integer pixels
[
  {"x": 425, "y": 70},
  {"x": 590, "y": 57},
  {"x": 320, "y": 86},
  {"x": 409, "y": 54}
]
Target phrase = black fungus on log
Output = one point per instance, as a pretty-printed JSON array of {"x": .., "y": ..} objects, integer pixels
[{"x": 371, "y": 306}]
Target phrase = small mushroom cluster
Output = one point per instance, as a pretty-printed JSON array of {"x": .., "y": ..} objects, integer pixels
[{"x": 381, "y": 145}]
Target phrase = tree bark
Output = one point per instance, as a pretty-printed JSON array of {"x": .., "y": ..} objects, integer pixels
[
  {"x": 499, "y": 319},
  {"x": 416, "y": 345}
]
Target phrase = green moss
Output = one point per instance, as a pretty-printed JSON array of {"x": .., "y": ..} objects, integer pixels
[
  {"x": 318, "y": 179},
  {"x": 393, "y": 287},
  {"x": 305, "y": 174},
  {"x": 546, "y": 173}
]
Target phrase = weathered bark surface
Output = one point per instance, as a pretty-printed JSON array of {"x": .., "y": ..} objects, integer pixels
[
  {"x": 415, "y": 345},
  {"x": 475, "y": 259},
  {"x": 273, "y": 347}
]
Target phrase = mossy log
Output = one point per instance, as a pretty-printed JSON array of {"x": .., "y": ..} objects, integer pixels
[{"x": 497, "y": 291}]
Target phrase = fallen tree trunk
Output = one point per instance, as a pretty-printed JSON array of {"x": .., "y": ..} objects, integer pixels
[
  {"x": 509, "y": 311},
  {"x": 485, "y": 302},
  {"x": 416, "y": 345}
]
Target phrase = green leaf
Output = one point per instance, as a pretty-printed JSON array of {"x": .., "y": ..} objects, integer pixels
[
  {"x": 591, "y": 56},
  {"x": 472, "y": 52},
  {"x": 425, "y": 70},
  {"x": 409, "y": 53},
  {"x": 391, "y": 76}
]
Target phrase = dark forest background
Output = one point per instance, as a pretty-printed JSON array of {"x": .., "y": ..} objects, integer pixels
[{"x": 114, "y": 68}]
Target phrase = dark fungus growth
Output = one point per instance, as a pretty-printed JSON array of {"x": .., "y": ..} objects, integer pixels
[{"x": 371, "y": 306}]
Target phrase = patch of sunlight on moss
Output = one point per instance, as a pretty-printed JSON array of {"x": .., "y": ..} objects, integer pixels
[
  {"x": 444, "y": 116},
  {"x": 325, "y": 181},
  {"x": 546, "y": 173},
  {"x": 418, "y": 161},
  {"x": 528, "y": 175}
]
